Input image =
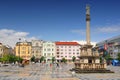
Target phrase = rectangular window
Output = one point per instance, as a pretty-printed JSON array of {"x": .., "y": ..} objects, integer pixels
[
  {"x": 77, "y": 53},
  {"x": 77, "y": 49},
  {"x": 33, "y": 52},
  {"x": 48, "y": 54},
  {"x": 57, "y": 49},
  {"x": 44, "y": 54},
  {"x": 48, "y": 49},
  {"x": 44, "y": 49}
]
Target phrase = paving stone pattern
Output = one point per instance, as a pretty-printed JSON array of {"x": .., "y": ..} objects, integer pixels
[{"x": 38, "y": 71}]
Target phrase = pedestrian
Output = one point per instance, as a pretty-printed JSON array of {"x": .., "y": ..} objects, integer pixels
[
  {"x": 50, "y": 64},
  {"x": 57, "y": 64},
  {"x": 73, "y": 73}
]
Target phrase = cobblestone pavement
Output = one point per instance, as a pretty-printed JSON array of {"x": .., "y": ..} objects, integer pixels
[{"x": 38, "y": 71}]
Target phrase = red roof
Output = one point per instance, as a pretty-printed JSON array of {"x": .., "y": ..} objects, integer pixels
[{"x": 66, "y": 43}]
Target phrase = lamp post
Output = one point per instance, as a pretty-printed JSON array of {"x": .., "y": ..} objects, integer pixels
[{"x": 19, "y": 51}]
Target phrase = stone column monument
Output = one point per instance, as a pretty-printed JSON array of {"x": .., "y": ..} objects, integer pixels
[
  {"x": 89, "y": 59},
  {"x": 88, "y": 24}
]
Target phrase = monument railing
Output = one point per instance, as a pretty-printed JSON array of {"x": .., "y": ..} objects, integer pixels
[{"x": 90, "y": 65}]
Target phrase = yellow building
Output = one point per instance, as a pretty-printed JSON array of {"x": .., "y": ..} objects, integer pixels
[{"x": 23, "y": 50}]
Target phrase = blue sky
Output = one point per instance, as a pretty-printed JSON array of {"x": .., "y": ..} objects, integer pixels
[{"x": 57, "y": 20}]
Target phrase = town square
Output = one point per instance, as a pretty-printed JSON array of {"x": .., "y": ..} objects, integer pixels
[
  {"x": 39, "y": 71},
  {"x": 59, "y": 40}
]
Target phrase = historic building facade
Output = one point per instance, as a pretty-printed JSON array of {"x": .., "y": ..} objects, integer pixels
[
  {"x": 37, "y": 48},
  {"x": 49, "y": 50},
  {"x": 23, "y": 50},
  {"x": 67, "y": 50},
  {"x": 4, "y": 49}
]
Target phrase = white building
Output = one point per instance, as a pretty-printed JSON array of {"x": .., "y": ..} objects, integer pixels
[
  {"x": 67, "y": 50},
  {"x": 37, "y": 48},
  {"x": 49, "y": 50}
]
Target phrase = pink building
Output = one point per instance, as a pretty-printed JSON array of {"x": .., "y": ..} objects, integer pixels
[{"x": 67, "y": 50}]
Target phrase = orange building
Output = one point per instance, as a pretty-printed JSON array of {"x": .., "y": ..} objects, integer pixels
[{"x": 23, "y": 50}]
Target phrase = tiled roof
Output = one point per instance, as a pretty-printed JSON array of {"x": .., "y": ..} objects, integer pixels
[{"x": 66, "y": 43}]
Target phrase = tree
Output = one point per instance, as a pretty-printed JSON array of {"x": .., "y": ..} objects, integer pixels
[
  {"x": 5, "y": 58},
  {"x": 32, "y": 59},
  {"x": 42, "y": 58},
  {"x": 118, "y": 56},
  {"x": 64, "y": 60},
  {"x": 53, "y": 59},
  {"x": 108, "y": 57},
  {"x": 9, "y": 58},
  {"x": 0, "y": 59},
  {"x": 73, "y": 58}
]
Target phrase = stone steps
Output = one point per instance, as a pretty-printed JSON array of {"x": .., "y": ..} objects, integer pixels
[{"x": 91, "y": 70}]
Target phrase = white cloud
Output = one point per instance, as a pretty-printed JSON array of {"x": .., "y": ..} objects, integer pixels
[
  {"x": 109, "y": 29},
  {"x": 10, "y": 37},
  {"x": 82, "y": 42},
  {"x": 78, "y": 31},
  {"x": 21, "y": 33},
  {"x": 99, "y": 29}
]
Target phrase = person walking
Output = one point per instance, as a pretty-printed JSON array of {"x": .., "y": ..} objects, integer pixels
[{"x": 57, "y": 64}]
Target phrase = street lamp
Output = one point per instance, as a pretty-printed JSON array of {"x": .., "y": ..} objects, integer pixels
[{"x": 19, "y": 51}]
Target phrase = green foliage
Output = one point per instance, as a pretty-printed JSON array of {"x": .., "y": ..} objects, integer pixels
[
  {"x": 64, "y": 60},
  {"x": 108, "y": 57},
  {"x": 33, "y": 59},
  {"x": 10, "y": 58},
  {"x": 5, "y": 58},
  {"x": 53, "y": 59},
  {"x": 118, "y": 56},
  {"x": 0, "y": 59},
  {"x": 73, "y": 58},
  {"x": 42, "y": 58},
  {"x": 100, "y": 59}
]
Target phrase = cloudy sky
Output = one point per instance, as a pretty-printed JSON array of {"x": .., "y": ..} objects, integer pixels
[{"x": 57, "y": 20}]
